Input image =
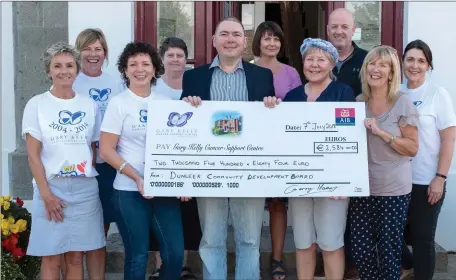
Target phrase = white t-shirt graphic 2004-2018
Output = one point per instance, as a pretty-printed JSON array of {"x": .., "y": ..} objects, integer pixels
[
  {"x": 66, "y": 128},
  {"x": 101, "y": 89},
  {"x": 126, "y": 116}
]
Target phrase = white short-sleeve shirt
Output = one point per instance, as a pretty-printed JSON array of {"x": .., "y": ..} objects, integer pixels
[
  {"x": 101, "y": 89},
  {"x": 66, "y": 128},
  {"x": 436, "y": 113},
  {"x": 126, "y": 116},
  {"x": 162, "y": 88}
]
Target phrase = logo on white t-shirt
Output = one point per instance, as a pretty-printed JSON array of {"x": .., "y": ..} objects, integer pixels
[
  {"x": 143, "y": 116},
  {"x": 100, "y": 95},
  {"x": 69, "y": 128},
  {"x": 73, "y": 170},
  {"x": 66, "y": 117},
  {"x": 417, "y": 103},
  {"x": 142, "y": 126}
]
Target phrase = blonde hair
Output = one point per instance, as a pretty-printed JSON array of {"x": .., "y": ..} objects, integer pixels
[
  {"x": 89, "y": 36},
  {"x": 388, "y": 55},
  {"x": 328, "y": 56}
]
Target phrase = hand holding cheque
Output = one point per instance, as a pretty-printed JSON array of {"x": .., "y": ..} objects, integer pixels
[{"x": 241, "y": 149}]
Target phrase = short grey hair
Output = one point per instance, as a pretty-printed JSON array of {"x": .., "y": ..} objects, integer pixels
[
  {"x": 328, "y": 56},
  {"x": 60, "y": 48}
]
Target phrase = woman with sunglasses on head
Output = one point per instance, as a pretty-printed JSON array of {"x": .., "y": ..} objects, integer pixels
[{"x": 60, "y": 128}]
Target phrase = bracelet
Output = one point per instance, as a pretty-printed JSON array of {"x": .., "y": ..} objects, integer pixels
[
  {"x": 441, "y": 175},
  {"x": 393, "y": 138},
  {"x": 122, "y": 166}
]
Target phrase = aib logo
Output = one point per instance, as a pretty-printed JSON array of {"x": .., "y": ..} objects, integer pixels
[
  {"x": 66, "y": 117},
  {"x": 345, "y": 116},
  {"x": 100, "y": 94},
  {"x": 143, "y": 116},
  {"x": 178, "y": 120}
]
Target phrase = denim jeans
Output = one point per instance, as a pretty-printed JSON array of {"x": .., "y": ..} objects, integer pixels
[
  {"x": 105, "y": 179},
  {"x": 136, "y": 217},
  {"x": 422, "y": 224},
  {"x": 247, "y": 217}
]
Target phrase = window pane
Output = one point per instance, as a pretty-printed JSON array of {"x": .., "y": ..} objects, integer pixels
[
  {"x": 247, "y": 17},
  {"x": 368, "y": 23},
  {"x": 176, "y": 19},
  {"x": 226, "y": 9}
]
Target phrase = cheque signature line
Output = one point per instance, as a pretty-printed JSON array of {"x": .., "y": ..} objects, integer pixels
[
  {"x": 244, "y": 155},
  {"x": 223, "y": 169}
]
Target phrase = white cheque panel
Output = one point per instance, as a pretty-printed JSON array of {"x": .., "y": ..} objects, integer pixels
[{"x": 242, "y": 149}]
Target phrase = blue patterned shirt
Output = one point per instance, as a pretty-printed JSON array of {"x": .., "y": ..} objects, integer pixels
[{"x": 228, "y": 86}]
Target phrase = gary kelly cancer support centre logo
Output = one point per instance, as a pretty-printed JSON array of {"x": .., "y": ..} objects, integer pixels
[
  {"x": 345, "y": 116},
  {"x": 226, "y": 123},
  {"x": 176, "y": 123}
]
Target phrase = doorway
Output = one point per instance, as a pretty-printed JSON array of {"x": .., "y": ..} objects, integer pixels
[{"x": 298, "y": 20}]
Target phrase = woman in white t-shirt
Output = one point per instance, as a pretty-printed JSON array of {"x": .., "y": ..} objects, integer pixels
[
  {"x": 122, "y": 145},
  {"x": 436, "y": 133},
  {"x": 101, "y": 87},
  {"x": 174, "y": 54},
  {"x": 60, "y": 129}
]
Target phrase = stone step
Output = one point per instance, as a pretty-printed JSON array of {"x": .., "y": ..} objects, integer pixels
[{"x": 115, "y": 254}]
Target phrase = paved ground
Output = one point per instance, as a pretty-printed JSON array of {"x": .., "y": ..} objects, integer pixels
[{"x": 449, "y": 275}]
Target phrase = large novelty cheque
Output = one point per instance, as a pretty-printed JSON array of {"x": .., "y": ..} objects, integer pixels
[{"x": 243, "y": 149}]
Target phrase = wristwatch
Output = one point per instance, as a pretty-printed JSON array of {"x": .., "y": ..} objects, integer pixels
[
  {"x": 121, "y": 167},
  {"x": 391, "y": 141}
]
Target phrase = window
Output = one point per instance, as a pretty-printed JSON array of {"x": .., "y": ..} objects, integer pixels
[
  {"x": 368, "y": 18},
  {"x": 176, "y": 19}
]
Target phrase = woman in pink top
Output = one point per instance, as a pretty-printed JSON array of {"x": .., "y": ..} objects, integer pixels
[{"x": 268, "y": 44}]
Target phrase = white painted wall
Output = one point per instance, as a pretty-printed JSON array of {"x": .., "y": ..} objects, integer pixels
[
  {"x": 434, "y": 24},
  {"x": 116, "y": 22},
  {"x": 7, "y": 105},
  {"x": 431, "y": 22}
]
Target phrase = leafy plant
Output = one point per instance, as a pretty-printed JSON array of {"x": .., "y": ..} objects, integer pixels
[{"x": 16, "y": 225}]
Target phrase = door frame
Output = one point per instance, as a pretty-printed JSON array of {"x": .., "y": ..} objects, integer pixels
[{"x": 208, "y": 14}]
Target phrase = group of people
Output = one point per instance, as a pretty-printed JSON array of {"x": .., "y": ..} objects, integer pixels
[{"x": 86, "y": 138}]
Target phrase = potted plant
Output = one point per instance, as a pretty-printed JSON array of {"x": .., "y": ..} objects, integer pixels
[{"x": 16, "y": 224}]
